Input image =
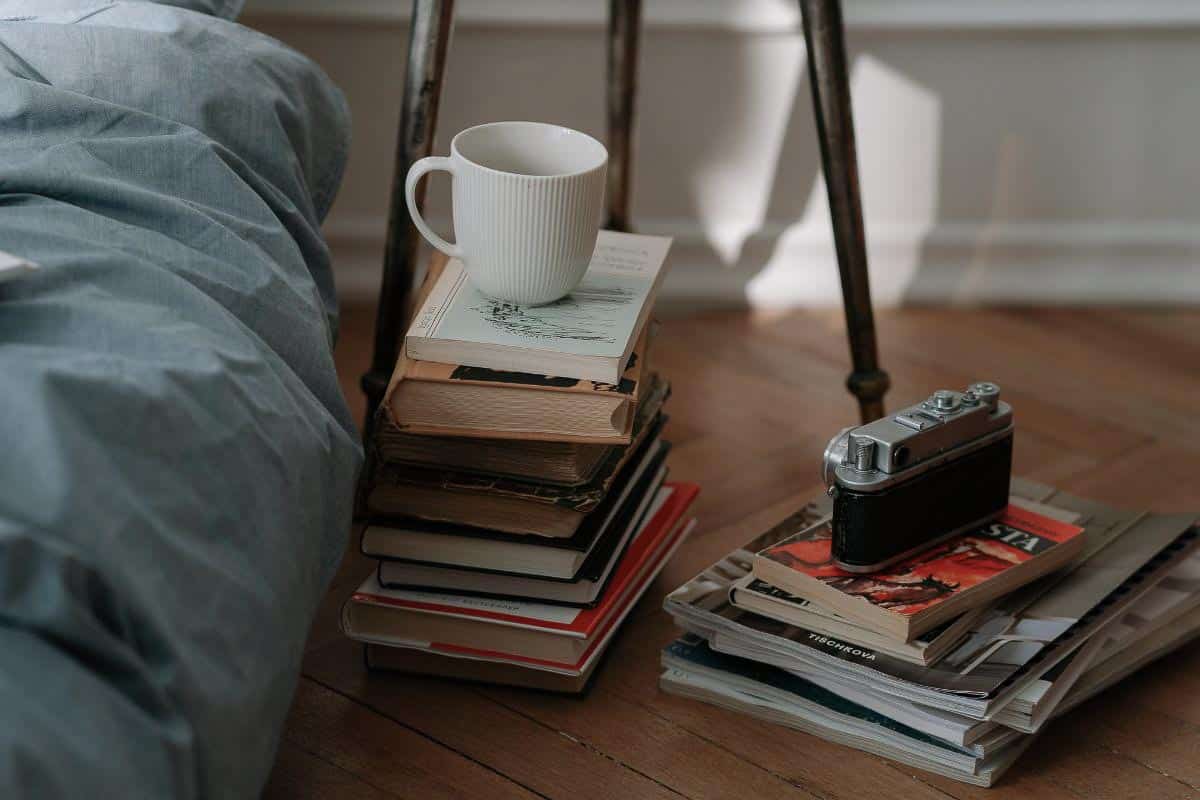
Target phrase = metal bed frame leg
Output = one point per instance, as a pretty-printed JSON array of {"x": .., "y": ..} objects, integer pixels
[
  {"x": 428, "y": 42},
  {"x": 830, "y": 81},
  {"x": 624, "y": 29}
]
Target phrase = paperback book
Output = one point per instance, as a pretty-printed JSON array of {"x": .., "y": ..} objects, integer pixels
[
  {"x": 694, "y": 670},
  {"x": 930, "y": 588},
  {"x": 589, "y": 334},
  {"x": 1007, "y": 647},
  {"x": 757, "y": 596}
]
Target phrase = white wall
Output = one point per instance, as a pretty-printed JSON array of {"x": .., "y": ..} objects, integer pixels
[{"x": 1010, "y": 150}]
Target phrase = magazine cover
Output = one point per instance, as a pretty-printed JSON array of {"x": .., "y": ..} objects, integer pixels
[
  {"x": 1002, "y": 641},
  {"x": 936, "y": 575}
]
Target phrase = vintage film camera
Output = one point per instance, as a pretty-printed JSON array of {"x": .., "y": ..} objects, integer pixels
[{"x": 906, "y": 481}]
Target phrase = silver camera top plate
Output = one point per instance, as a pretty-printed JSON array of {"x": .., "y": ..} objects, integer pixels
[{"x": 941, "y": 428}]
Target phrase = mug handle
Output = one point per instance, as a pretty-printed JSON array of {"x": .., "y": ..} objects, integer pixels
[{"x": 415, "y": 173}]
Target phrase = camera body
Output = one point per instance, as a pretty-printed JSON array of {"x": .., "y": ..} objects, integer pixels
[{"x": 918, "y": 476}]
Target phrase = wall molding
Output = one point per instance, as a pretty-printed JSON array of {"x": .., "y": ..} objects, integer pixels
[
  {"x": 960, "y": 263},
  {"x": 770, "y": 16}
]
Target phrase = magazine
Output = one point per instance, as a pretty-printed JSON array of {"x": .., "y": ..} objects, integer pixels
[
  {"x": 1007, "y": 647},
  {"x": 760, "y": 597},
  {"x": 930, "y": 588}
]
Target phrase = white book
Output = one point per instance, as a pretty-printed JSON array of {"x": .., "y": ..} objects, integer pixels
[{"x": 588, "y": 335}]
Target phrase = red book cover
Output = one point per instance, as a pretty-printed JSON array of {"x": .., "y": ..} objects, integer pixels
[
  {"x": 937, "y": 574},
  {"x": 566, "y": 620}
]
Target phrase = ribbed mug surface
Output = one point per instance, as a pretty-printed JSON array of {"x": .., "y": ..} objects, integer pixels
[
  {"x": 527, "y": 202},
  {"x": 527, "y": 238}
]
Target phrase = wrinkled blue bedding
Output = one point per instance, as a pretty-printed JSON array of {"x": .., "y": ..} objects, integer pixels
[{"x": 176, "y": 459}]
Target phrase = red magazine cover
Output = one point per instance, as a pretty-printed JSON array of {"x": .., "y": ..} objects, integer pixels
[{"x": 937, "y": 574}]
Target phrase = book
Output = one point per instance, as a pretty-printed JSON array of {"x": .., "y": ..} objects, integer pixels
[
  {"x": 751, "y": 594},
  {"x": 519, "y": 554},
  {"x": 452, "y": 400},
  {"x": 418, "y": 661},
  {"x": 518, "y": 631},
  {"x": 506, "y": 504},
  {"x": 1005, "y": 653},
  {"x": 500, "y": 668},
  {"x": 436, "y": 399},
  {"x": 554, "y": 463},
  {"x": 1030, "y": 708},
  {"x": 694, "y": 670},
  {"x": 589, "y": 334},
  {"x": 667, "y": 508},
  {"x": 1009, "y": 646},
  {"x": 926, "y": 590}
]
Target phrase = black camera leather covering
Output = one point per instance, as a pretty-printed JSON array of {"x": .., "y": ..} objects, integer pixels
[{"x": 871, "y": 528}]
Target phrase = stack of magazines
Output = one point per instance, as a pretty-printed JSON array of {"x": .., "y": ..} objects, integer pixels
[{"x": 900, "y": 665}]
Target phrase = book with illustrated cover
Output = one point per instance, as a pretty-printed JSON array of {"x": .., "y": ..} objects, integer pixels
[
  {"x": 589, "y": 334},
  {"x": 926, "y": 590},
  {"x": 1010, "y": 645},
  {"x": 1170, "y": 599},
  {"x": 752, "y": 594},
  {"x": 431, "y": 398},
  {"x": 1005, "y": 651},
  {"x": 694, "y": 670},
  {"x": 508, "y": 504}
]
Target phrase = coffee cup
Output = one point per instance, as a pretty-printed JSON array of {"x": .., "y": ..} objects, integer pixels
[{"x": 527, "y": 199}]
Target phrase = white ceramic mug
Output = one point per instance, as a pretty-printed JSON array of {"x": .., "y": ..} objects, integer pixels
[{"x": 527, "y": 202}]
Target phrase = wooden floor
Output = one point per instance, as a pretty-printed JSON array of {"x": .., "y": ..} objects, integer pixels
[{"x": 1107, "y": 405}]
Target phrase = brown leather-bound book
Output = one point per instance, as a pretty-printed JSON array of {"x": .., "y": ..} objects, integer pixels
[{"x": 503, "y": 503}]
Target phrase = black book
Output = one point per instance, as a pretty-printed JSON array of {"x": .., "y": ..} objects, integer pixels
[
  {"x": 563, "y": 558},
  {"x": 583, "y": 590}
]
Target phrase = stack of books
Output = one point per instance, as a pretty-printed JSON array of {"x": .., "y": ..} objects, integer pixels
[
  {"x": 955, "y": 660},
  {"x": 516, "y": 496}
]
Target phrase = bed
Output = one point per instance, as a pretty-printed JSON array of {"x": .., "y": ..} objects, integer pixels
[{"x": 176, "y": 459}]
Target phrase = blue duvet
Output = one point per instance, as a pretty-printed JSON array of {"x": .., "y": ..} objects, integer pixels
[{"x": 176, "y": 459}]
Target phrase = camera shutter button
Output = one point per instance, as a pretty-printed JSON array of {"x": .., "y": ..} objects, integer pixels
[{"x": 862, "y": 453}]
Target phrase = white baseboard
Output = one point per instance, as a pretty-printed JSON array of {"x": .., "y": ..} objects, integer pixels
[{"x": 957, "y": 263}]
